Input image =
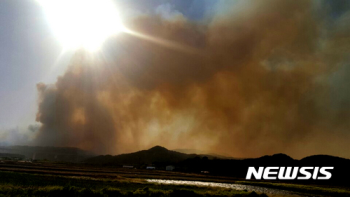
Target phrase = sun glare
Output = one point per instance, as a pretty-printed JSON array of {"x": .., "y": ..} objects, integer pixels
[{"x": 82, "y": 23}]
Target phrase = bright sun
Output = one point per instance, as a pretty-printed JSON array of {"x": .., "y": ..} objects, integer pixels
[{"x": 82, "y": 23}]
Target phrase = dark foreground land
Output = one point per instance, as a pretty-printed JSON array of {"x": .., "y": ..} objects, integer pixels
[
  {"x": 54, "y": 179},
  {"x": 24, "y": 184}
]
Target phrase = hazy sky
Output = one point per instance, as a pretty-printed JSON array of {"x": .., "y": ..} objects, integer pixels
[
  {"x": 31, "y": 54},
  {"x": 29, "y": 51}
]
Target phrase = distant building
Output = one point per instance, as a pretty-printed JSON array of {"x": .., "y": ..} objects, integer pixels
[
  {"x": 205, "y": 172},
  {"x": 150, "y": 168},
  {"x": 169, "y": 168},
  {"x": 126, "y": 166}
]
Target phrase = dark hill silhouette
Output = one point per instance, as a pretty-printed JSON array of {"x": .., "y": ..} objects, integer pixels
[
  {"x": 324, "y": 159},
  {"x": 341, "y": 172},
  {"x": 271, "y": 160},
  {"x": 156, "y": 154},
  {"x": 279, "y": 156},
  {"x": 238, "y": 168},
  {"x": 160, "y": 157},
  {"x": 203, "y": 154},
  {"x": 158, "y": 149}
]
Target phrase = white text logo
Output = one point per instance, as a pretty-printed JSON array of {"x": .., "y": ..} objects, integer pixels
[{"x": 289, "y": 173}]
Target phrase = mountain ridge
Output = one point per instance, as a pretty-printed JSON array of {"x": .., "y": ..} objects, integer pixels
[
  {"x": 161, "y": 154},
  {"x": 154, "y": 154}
]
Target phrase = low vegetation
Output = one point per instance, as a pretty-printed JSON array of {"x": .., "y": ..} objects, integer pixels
[
  {"x": 23, "y": 184},
  {"x": 306, "y": 189}
]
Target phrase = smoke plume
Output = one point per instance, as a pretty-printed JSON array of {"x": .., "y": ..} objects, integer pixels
[{"x": 258, "y": 79}]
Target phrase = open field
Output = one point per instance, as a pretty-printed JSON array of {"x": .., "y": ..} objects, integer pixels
[
  {"x": 24, "y": 184},
  {"x": 53, "y": 179},
  {"x": 307, "y": 189},
  {"x": 107, "y": 172}
]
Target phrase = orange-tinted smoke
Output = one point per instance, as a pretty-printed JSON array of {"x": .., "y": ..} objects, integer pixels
[{"x": 257, "y": 84}]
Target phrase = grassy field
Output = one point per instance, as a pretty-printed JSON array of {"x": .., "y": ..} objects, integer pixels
[
  {"x": 24, "y": 184},
  {"x": 109, "y": 172},
  {"x": 19, "y": 179}
]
